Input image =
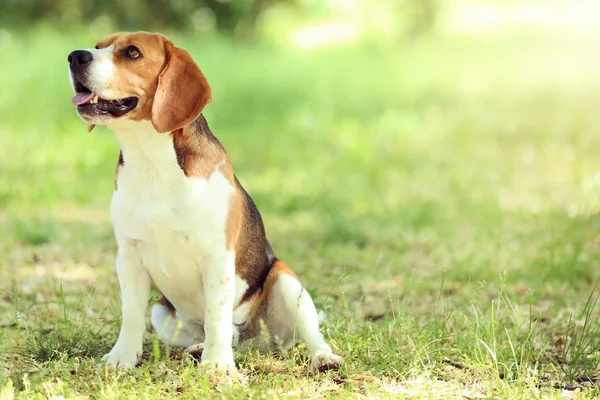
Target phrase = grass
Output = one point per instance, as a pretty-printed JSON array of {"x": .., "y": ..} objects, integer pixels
[
  {"x": 438, "y": 199},
  {"x": 51, "y": 338},
  {"x": 580, "y": 344}
]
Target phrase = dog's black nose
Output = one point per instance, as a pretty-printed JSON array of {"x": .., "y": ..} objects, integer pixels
[{"x": 79, "y": 58}]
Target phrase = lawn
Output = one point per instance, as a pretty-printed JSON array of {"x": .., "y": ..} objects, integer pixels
[{"x": 438, "y": 198}]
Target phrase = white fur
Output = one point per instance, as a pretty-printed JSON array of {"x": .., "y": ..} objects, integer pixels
[
  {"x": 172, "y": 228},
  {"x": 101, "y": 71},
  {"x": 135, "y": 289},
  {"x": 171, "y": 330}
]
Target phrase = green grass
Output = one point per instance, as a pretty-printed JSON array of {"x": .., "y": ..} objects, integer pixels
[{"x": 438, "y": 199}]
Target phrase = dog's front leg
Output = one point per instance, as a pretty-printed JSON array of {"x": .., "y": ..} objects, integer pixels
[
  {"x": 219, "y": 288},
  {"x": 135, "y": 291}
]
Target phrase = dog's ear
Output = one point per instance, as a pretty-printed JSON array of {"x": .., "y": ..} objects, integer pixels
[{"x": 182, "y": 91}]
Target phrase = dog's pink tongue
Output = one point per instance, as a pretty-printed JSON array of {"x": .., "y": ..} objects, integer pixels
[{"x": 81, "y": 98}]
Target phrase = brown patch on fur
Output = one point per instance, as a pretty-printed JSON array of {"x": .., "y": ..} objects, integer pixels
[
  {"x": 260, "y": 300},
  {"x": 279, "y": 268},
  {"x": 235, "y": 218},
  {"x": 163, "y": 301},
  {"x": 182, "y": 91},
  {"x": 120, "y": 163},
  {"x": 254, "y": 257},
  {"x": 171, "y": 89},
  {"x": 199, "y": 153}
]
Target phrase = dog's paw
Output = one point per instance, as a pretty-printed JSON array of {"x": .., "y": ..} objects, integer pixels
[
  {"x": 325, "y": 362},
  {"x": 217, "y": 366},
  {"x": 217, "y": 357},
  {"x": 195, "y": 350},
  {"x": 123, "y": 359},
  {"x": 223, "y": 373}
]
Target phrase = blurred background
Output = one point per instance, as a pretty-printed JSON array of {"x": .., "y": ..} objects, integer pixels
[
  {"x": 241, "y": 19},
  {"x": 388, "y": 143}
]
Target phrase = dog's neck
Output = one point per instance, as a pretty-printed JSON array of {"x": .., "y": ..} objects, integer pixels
[{"x": 141, "y": 144}]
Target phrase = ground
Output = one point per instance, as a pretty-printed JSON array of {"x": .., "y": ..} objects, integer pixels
[{"x": 438, "y": 198}]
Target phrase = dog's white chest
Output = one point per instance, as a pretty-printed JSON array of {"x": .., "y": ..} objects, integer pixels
[
  {"x": 175, "y": 224},
  {"x": 165, "y": 209}
]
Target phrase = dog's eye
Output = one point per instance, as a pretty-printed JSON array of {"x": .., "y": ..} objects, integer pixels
[
  {"x": 96, "y": 47},
  {"x": 132, "y": 52}
]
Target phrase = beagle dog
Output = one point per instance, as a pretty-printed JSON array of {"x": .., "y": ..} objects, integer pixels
[{"x": 181, "y": 217}]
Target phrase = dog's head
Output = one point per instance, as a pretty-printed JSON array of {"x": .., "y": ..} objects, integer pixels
[{"x": 137, "y": 76}]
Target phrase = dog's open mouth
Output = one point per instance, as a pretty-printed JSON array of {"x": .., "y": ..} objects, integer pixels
[{"x": 90, "y": 103}]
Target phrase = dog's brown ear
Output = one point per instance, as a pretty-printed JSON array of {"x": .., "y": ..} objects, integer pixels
[{"x": 182, "y": 91}]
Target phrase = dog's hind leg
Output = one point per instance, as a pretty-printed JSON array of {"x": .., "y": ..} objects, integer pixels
[{"x": 291, "y": 316}]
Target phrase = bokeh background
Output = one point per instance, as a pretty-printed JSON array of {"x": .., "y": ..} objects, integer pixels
[
  {"x": 365, "y": 123},
  {"x": 399, "y": 150}
]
